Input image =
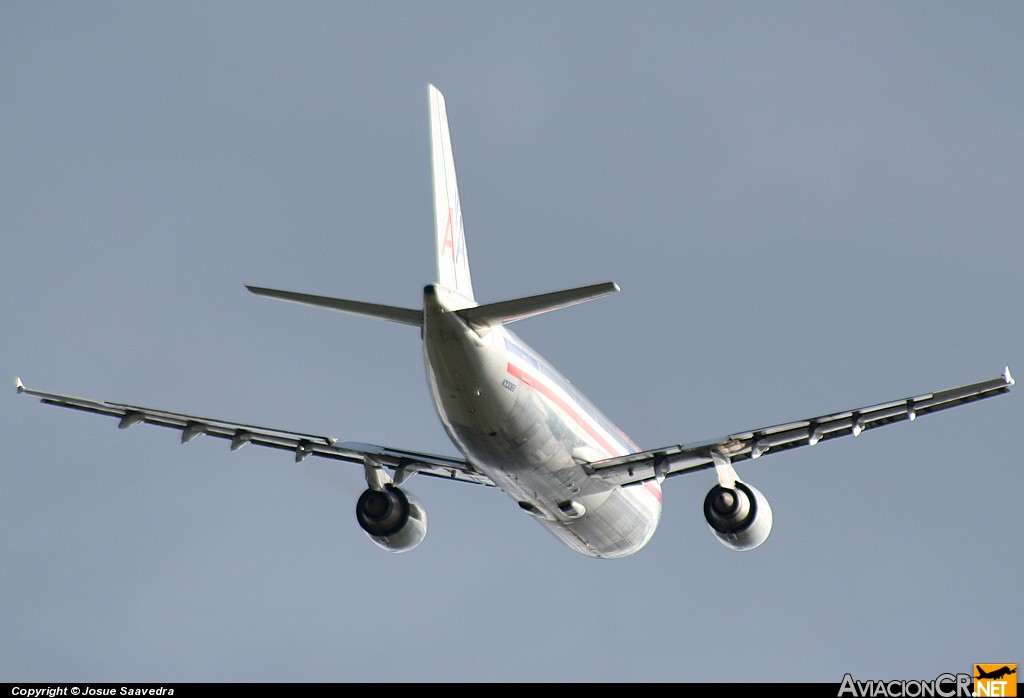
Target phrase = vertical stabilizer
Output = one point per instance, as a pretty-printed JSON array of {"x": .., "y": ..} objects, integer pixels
[{"x": 450, "y": 238}]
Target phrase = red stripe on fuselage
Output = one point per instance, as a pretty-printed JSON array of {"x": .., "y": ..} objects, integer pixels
[
  {"x": 654, "y": 489},
  {"x": 517, "y": 372},
  {"x": 651, "y": 487}
]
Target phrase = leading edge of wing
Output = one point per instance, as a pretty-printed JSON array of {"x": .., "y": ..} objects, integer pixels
[
  {"x": 299, "y": 443},
  {"x": 744, "y": 445}
]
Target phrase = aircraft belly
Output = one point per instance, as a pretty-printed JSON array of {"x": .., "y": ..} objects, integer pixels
[
  {"x": 529, "y": 455},
  {"x": 499, "y": 425},
  {"x": 520, "y": 439},
  {"x": 621, "y": 526},
  {"x": 509, "y": 432}
]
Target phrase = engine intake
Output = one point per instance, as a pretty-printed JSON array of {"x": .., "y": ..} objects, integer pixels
[
  {"x": 392, "y": 518},
  {"x": 739, "y": 517}
]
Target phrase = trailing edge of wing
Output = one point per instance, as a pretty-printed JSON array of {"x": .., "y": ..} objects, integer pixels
[
  {"x": 688, "y": 458},
  {"x": 405, "y": 316},
  {"x": 519, "y": 308},
  {"x": 298, "y": 443}
]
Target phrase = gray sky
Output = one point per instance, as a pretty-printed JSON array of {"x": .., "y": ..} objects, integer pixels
[{"x": 809, "y": 207}]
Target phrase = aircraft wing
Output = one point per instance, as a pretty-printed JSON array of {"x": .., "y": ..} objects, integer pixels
[
  {"x": 687, "y": 458},
  {"x": 301, "y": 445}
]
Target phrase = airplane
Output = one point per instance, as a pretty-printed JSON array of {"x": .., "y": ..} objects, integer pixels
[
  {"x": 996, "y": 674},
  {"x": 520, "y": 426}
]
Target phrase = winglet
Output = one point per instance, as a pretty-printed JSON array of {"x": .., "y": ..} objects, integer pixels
[
  {"x": 1007, "y": 377},
  {"x": 19, "y": 386}
]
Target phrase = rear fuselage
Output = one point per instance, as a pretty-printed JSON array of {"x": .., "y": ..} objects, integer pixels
[{"x": 522, "y": 424}]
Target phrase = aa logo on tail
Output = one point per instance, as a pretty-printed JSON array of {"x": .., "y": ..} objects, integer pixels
[
  {"x": 454, "y": 245},
  {"x": 995, "y": 679}
]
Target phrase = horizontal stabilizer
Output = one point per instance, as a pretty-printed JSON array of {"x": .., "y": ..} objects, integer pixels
[
  {"x": 519, "y": 308},
  {"x": 406, "y": 316}
]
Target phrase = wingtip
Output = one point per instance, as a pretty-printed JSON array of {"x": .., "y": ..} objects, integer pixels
[
  {"x": 19, "y": 386},
  {"x": 1007, "y": 377}
]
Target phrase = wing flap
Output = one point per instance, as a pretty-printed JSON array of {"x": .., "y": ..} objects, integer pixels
[
  {"x": 687, "y": 458},
  {"x": 300, "y": 444}
]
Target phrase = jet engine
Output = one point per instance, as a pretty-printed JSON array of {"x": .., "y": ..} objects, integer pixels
[
  {"x": 740, "y": 517},
  {"x": 392, "y": 518}
]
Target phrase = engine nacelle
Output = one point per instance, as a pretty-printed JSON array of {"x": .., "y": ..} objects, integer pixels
[
  {"x": 392, "y": 518},
  {"x": 740, "y": 518}
]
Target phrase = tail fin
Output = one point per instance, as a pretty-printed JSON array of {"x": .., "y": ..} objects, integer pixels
[{"x": 450, "y": 238}]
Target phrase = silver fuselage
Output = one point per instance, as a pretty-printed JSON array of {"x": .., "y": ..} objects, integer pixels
[{"x": 522, "y": 424}]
